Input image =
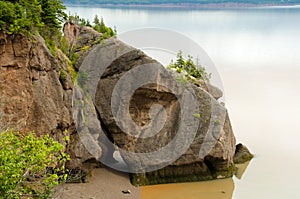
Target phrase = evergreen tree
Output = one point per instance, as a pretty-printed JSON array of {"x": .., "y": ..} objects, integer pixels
[
  {"x": 52, "y": 13},
  {"x": 189, "y": 67},
  {"x": 100, "y": 26},
  {"x": 25, "y": 15}
]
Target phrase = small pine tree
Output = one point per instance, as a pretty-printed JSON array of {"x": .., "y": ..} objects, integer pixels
[
  {"x": 52, "y": 13},
  {"x": 100, "y": 26},
  {"x": 189, "y": 67}
]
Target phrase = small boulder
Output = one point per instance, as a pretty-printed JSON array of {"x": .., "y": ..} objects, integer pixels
[
  {"x": 126, "y": 191},
  {"x": 242, "y": 154}
]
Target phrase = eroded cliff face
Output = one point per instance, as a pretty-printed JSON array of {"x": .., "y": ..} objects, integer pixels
[{"x": 34, "y": 94}]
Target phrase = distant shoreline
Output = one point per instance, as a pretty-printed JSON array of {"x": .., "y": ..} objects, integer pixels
[{"x": 190, "y": 5}]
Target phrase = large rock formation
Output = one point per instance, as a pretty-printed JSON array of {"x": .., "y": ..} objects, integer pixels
[
  {"x": 113, "y": 95},
  {"x": 210, "y": 154},
  {"x": 212, "y": 148}
]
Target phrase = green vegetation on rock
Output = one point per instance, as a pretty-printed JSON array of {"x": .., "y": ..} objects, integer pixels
[
  {"x": 172, "y": 174},
  {"x": 102, "y": 28},
  {"x": 30, "y": 15},
  {"x": 76, "y": 19},
  {"x": 98, "y": 25},
  {"x": 63, "y": 75},
  {"x": 189, "y": 68},
  {"x": 72, "y": 71}
]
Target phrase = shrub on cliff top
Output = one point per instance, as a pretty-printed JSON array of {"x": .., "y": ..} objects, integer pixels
[
  {"x": 98, "y": 25},
  {"x": 189, "y": 67},
  {"x": 102, "y": 28},
  {"x": 30, "y": 166}
]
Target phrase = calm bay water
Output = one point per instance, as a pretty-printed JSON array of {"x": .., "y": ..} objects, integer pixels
[{"x": 257, "y": 53}]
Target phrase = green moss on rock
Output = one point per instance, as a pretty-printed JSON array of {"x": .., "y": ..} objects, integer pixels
[
  {"x": 184, "y": 173},
  {"x": 242, "y": 154},
  {"x": 225, "y": 173},
  {"x": 149, "y": 179}
]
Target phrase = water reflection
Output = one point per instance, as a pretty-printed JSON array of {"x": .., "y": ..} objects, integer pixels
[
  {"x": 241, "y": 168},
  {"x": 214, "y": 189}
]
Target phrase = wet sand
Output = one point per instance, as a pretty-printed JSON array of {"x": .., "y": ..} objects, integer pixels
[
  {"x": 109, "y": 184},
  {"x": 103, "y": 184}
]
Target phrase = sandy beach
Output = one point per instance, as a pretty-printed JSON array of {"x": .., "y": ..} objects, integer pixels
[
  {"x": 103, "y": 184},
  {"x": 109, "y": 184}
]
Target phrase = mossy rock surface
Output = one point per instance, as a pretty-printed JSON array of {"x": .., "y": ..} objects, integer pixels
[
  {"x": 167, "y": 175},
  {"x": 242, "y": 154}
]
